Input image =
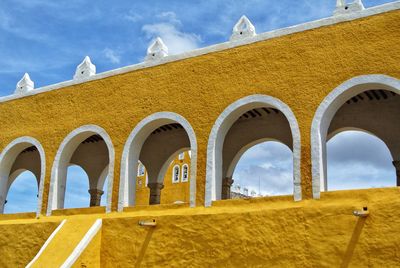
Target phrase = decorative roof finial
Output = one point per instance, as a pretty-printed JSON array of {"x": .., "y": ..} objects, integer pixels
[
  {"x": 24, "y": 85},
  {"x": 343, "y": 8},
  {"x": 243, "y": 29},
  {"x": 157, "y": 50},
  {"x": 85, "y": 69}
]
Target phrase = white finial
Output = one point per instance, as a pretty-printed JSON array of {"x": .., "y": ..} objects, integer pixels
[
  {"x": 343, "y": 8},
  {"x": 340, "y": 3},
  {"x": 243, "y": 29},
  {"x": 24, "y": 85},
  {"x": 85, "y": 69},
  {"x": 157, "y": 50}
]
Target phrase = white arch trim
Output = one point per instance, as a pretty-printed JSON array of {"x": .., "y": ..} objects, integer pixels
[
  {"x": 132, "y": 150},
  {"x": 61, "y": 162},
  {"x": 15, "y": 148},
  {"x": 222, "y": 126},
  {"x": 326, "y": 111}
]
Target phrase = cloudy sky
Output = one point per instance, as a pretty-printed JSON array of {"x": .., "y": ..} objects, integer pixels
[{"x": 48, "y": 39}]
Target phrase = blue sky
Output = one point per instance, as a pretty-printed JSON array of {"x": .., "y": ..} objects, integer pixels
[{"x": 48, "y": 39}]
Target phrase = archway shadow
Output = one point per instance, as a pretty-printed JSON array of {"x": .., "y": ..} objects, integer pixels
[
  {"x": 144, "y": 247},
  {"x": 353, "y": 242}
]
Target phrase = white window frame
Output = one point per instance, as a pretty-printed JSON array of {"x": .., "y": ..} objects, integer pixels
[
  {"x": 173, "y": 173},
  {"x": 181, "y": 156},
  {"x": 140, "y": 166},
  {"x": 183, "y": 179}
]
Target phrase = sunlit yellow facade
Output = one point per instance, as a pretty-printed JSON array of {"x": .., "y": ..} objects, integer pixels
[
  {"x": 175, "y": 191},
  {"x": 299, "y": 66}
]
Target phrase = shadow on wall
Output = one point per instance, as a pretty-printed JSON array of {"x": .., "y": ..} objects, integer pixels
[{"x": 353, "y": 242}]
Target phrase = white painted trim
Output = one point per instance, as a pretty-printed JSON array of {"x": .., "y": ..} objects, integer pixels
[
  {"x": 326, "y": 111},
  {"x": 48, "y": 241},
  {"x": 25, "y": 142},
  {"x": 83, "y": 244},
  {"x": 64, "y": 153},
  {"x": 219, "y": 47},
  {"x": 130, "y": 156},
  {"x": 173, "y": 173},
  {"x": 222, "y": 126}
]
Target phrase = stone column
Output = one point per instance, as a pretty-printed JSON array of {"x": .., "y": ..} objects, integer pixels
[
  {"x": 95, "y": 197},
  {"x": 396, "y": 164},
  {"x": 155, "y": 192},
  {"x": 226, "y": 188}
]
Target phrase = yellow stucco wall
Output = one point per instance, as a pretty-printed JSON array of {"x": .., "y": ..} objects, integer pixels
[
  {"x": 262, "y": 232},
  {"x": 21, "y": 240},
  {"x": 172, "y": 192},
  {"x": 299, "y": 69}
]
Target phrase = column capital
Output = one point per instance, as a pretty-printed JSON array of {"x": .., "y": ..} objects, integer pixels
[
  {"x": 228, "y": 181},
  {"x": 95, "y": 197},
  {"x": 396, "y": 164},
  {"x": 155, "y": 185}
]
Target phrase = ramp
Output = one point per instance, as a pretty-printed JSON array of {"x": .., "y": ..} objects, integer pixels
[{"x": 66, "y": 243}]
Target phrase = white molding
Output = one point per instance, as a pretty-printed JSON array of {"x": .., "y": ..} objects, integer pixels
[
  {"x": 326, "y": 111},
  {"x": 131, "y": 155},
  {"x": 58, "y": 165},
  {"x": 222, "y": 126},
  {"x": 219, "y": 47},
  {"x": 28, "y": 141},
  {"x": 48, "y": 241},
  {"x": 83, "y": 244}
]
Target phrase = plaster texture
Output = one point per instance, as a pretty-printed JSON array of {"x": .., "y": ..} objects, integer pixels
[{"x": 297, "y": 66}]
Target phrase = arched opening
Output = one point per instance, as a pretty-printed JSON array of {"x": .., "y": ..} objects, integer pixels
[
  {"x": 155, "y": 142},
  {"x": 176, "y": 182},
  {"x": 243, "y": 124},
  {"x": 265, "y": 169},
  {"x": 23, "y": 159},
  {"x": 76, "y": 189},
  {"x": 358, "y": 160},
  {"x": 23, "y": 194},
  {"x": 90, "y": 148},
  {"x": 368, "y": 103}
]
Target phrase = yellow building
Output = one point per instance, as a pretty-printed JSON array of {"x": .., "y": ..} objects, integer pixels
[
  {"x": 176, "y": 182},
  {"x": 300, "y": 86}
]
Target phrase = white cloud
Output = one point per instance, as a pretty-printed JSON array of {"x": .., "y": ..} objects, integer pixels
[
  {"x": 133, "y": 17},
  {"x": 112, "y": 55},
  {"x": 176, "y": 40}
]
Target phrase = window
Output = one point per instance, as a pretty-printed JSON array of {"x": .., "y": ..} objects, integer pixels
[
  {"x": 185, "y": 173},
  {"x": 175, "y": 174},
  {"x": 181, "y": 156},
  {"x": 141, "y": 170}
]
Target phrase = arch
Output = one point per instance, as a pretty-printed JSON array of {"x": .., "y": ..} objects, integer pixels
[
  {"x": 7, "y": 158},
  {"x": 222, "y": 126},
  {"x": 62, "y": 158},
  {"x": 233, "y": 164},
  {"x": 344, "y": 129},
  {"x": 74, "y": 196},
  {"x": 358, "y": 160},
  {"x": 26, "y": 201},
  {"x": 132, "y": 150},
  {"x": 326, "y": 111},
  {"x": 176, "y": 167},
  {"x": 103, "y": 177}
]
